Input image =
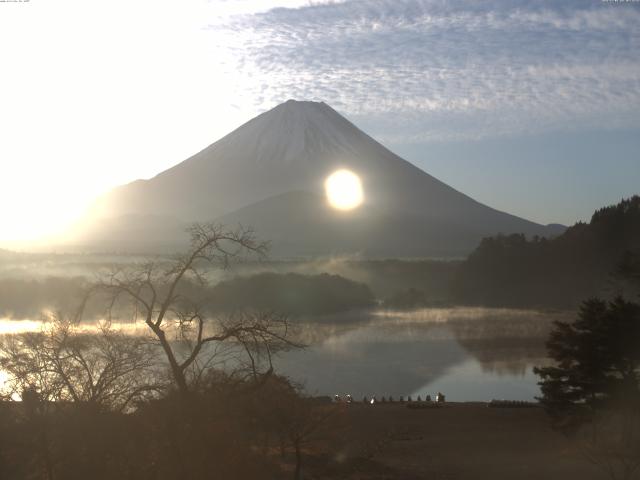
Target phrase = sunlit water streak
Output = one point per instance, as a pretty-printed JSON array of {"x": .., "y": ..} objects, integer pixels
[{"x": 9, "y": 326}]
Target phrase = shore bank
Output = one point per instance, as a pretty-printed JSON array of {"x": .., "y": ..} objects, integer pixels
[{"x": 452, "y": 441}]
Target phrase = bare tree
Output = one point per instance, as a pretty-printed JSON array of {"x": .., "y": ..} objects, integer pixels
[
  {"x": 297, "y": 421},
  {"x": 64, "y": 366},
  {"x": 305, "y": 421},
  {"x": 171, "y": 299},
  {"x": 61, "y": 362}
]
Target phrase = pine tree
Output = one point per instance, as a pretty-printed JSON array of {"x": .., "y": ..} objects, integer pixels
[{"x": 597, "y": 361}]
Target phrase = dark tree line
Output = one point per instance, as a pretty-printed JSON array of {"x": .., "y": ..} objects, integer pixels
[
  {"x": 584, "y": 261},
  {"x": 292, "y": 293}
]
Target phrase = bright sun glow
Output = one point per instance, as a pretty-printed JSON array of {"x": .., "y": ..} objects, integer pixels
[
  {"x": 80, "y": 117},
  {"x": 343, "y": 189}
]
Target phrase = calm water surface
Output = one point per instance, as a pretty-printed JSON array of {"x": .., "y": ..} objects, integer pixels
[{"x": 468, "y": 354}]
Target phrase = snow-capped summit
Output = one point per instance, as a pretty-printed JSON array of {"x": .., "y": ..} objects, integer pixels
[{"x": 269, "y": 174}]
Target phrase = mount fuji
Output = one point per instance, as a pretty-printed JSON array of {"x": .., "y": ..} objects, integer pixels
[{"x": 269, "y": 174}]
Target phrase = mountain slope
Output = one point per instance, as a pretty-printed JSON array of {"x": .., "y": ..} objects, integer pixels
[
  {"x": 301, "y": 224},
  {"x": 278, "y": 162}
]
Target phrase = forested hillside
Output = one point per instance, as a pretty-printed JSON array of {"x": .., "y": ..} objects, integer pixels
[{"x": 585, "y": 260}]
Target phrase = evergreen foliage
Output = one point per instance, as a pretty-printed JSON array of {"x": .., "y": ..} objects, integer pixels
[
  {"x": 597, "y": 361},
  {"x": 516, "y": 271},
  {"x": 291, "y": 293}
]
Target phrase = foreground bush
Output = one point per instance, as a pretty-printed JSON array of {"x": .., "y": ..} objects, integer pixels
[{"x": 230, "y": 428}]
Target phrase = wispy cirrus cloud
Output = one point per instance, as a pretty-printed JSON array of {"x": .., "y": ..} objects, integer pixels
[
  {"x": 227, "y": 8},
  {"x": 431, "y": 70}
]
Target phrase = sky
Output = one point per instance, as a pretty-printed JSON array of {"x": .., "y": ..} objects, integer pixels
[{"x": 529, "y": 107}]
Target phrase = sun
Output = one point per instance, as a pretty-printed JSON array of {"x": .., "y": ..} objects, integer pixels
[{"x": 343, "y": 189}]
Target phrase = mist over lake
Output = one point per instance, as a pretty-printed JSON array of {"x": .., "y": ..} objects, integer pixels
[{"x": 469, "y": 354}]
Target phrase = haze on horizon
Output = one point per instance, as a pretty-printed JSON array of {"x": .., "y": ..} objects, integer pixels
[{"x": 529, "y": 107}]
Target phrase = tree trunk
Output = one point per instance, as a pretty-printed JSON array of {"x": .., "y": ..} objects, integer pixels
[
  {"x": 45, "y": 452},
  {"x": 176, "y": 371},
  {"x": 297, "y": 474}
]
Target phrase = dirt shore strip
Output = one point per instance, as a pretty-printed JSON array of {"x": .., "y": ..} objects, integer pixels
[{"x": 451, "y": 441}]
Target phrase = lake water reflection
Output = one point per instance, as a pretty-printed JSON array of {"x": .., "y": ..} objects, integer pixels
[{"x": 468, "y": 354}]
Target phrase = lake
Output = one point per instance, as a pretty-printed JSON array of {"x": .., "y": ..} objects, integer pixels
[{"x": 469, "y": 354}]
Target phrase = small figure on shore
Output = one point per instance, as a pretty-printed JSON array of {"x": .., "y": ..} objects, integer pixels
[
  {"x": 390, "y": 398},
  {"x": 440, "y": 397},
  {"x": 428, "y": 399},
  {"x": 409, "y": 399},
  {"x": 419, "y": 399},
  {"x": 349, "y": 399},
  {"x": 401, "y": 399},
  {"x": 336, "y": 398},
  {"x": 365, "y": 399},
  {"x": 373, "y": 400}
]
